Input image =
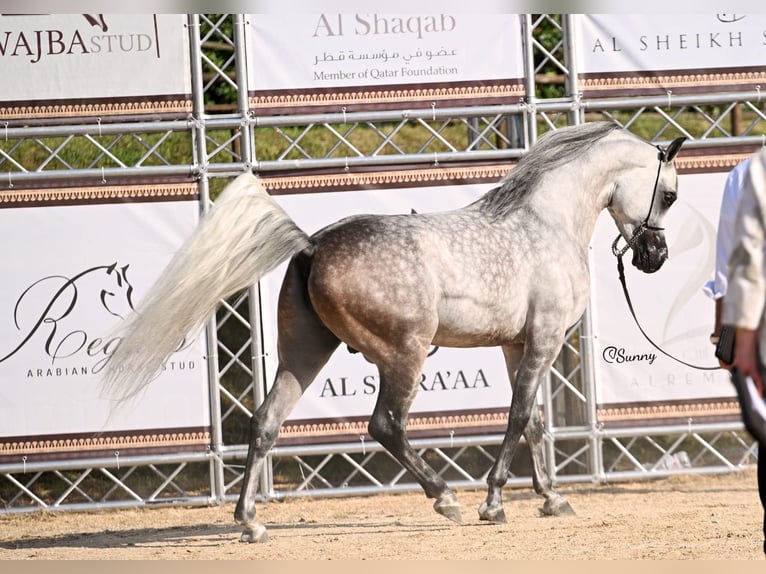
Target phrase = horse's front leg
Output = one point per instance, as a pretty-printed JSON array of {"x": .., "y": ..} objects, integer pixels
[
  {"x": 388, "y": 424},
  {"x": 527, "y": 366}
]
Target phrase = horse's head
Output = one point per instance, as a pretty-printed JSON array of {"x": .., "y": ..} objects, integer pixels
[{"x": 639, "y": 202}]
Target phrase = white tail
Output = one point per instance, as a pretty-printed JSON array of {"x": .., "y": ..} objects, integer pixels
[{"x": 244, "y": 235}]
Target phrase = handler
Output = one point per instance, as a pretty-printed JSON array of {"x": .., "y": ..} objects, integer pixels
[{"x": 742, "y": 308}]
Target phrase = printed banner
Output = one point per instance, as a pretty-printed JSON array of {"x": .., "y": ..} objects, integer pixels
[
  {"x": 466, "y": 390},
  {"x": 75, "y": 262},
  {"x": 462, "y": 391},
  {"x": 635, "y": 381},
  {"x": 105, "y": 65},
  {"x": 650, "y": 54},
  {"x": 368, "y": 60}
]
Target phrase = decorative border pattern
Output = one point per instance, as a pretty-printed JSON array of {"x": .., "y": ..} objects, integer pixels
[
  {"x": 386, "y": 98},
  {"x": 461, "y": 422},
  {"x": 723, "y": 407},
  {"x": 169, "y": 440},
  {"x": 718, "y": 161},
  {"x": 100, "y": 194},
  {"x": 715, "y": 162},
  {"x": 32, "y": 110},
  {"x": 632, "y": 83},
  {"x": 380, "y": 179}
]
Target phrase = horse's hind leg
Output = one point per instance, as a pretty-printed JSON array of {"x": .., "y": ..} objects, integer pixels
[
  {"x": 288, "y": 387},
  {"x": 264, "y": 426},
  {"x": 555, "y": 504},
  {"x": 305, "y": 345},
  {"x": 388, "y": 426}
]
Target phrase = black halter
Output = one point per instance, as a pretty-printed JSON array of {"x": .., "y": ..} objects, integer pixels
[
  {"x": 639, "y": 231},
  {"x": 621, "y": 267}
]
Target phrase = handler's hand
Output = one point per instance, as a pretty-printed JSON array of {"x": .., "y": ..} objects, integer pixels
[{"x": 746, "y": 355}]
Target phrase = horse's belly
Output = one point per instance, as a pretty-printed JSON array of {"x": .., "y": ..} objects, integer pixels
[{"x": 466, "y": 324}]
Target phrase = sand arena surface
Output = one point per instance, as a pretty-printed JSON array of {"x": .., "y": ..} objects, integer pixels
[{"x": 685, "y": 517}]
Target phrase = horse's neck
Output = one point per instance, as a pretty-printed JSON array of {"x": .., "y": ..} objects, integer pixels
[
  {"x": 571, "y": 200},
  {"x": 573, "y": 196}
]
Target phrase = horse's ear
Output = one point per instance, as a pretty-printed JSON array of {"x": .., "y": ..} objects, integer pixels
[{"x": 674, "y": 148}]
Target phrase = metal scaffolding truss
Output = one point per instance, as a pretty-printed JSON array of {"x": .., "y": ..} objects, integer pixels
[{"x": 220, "y": 140}]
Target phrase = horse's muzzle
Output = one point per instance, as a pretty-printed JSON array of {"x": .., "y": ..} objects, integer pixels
[{"x": 650, "y": 251}]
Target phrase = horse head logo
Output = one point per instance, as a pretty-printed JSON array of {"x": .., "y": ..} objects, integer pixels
[
  {"x": 118, "y": 299},
  {"x": 63, "y": 313},
  {"x": 97, "y": 20}
]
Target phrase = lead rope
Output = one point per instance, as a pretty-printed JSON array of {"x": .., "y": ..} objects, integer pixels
[
  {"x": 621, "y": 273},
  {"x": 621, "y": 269}
]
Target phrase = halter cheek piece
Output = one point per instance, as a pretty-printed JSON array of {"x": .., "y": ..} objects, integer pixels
[
  {"x": 639, "y": 231},
  {"x": 621, "y": 268}
]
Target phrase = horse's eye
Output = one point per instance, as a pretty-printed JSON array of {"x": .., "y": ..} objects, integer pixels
[{"x": 670, "y": 197}]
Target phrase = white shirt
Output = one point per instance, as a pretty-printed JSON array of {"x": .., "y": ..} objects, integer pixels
[
  {"x": 725, "y": 238},
  {"x": 746, "y": 295}
]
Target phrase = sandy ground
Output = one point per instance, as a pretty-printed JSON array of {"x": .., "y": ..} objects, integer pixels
[{"x": 713, "y": 517}]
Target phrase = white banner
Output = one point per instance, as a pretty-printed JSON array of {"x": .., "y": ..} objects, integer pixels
[
  {"x": 70, "y": 274},
  {"x": 466, "y": 390},
  {"x": 634, "y": 379},
  {"x": 461, "y": 390},
  {"x": 62, "y": 65},
  {"x": 363, "y": 60},
  {"x": 629, "y": 54}
]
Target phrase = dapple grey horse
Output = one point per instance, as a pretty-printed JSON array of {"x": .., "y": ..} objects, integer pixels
[{"x": 508, "y": 270}]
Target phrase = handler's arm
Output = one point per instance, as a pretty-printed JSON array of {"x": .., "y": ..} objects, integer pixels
[{"x": 744, "y": 302}]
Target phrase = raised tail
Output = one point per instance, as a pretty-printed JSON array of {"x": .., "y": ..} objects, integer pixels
[{"x": 244, "y": 235}]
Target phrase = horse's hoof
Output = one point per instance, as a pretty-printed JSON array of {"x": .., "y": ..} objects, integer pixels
[
  {"x": 448, "y": 506},
  {"x": 256, "y": 534},
  {"x": 558, "y": 506},
  {"x": 495, "y": 515}
]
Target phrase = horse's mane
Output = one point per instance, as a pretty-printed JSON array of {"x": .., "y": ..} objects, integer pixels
[{"x": 552, "y": 150}]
